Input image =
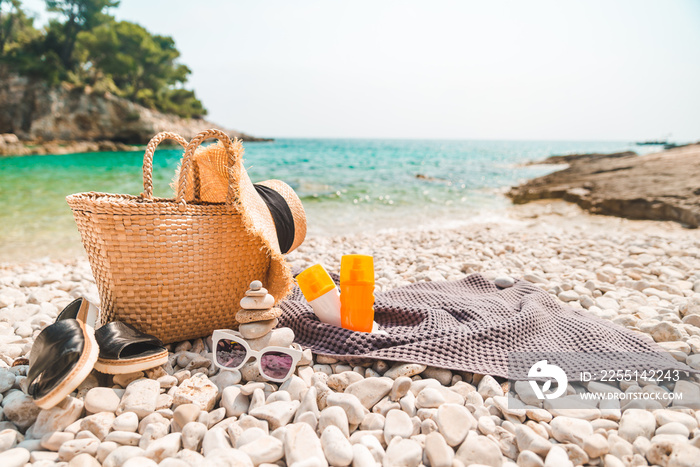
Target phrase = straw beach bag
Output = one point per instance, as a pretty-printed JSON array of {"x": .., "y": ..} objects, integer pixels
[{"x": 177, "y": 268}]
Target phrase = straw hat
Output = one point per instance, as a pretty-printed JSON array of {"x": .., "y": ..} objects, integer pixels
[{"x": 274, "y": 208}]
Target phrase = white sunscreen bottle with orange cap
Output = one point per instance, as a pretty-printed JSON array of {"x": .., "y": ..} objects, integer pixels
[{"x": 321, "y": 293}]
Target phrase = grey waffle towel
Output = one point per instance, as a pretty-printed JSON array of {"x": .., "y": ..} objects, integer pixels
[{"x": 473, "y": 325}]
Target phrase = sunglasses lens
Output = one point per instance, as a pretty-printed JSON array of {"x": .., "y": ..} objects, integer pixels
[
  {"x": 276, "y": 365},
  {"x": 230, "y": 353}
]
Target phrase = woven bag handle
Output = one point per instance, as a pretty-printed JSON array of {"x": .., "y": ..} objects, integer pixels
[
  {"x": 148, "y": 159},
  {"x": 187, "y": 163}
]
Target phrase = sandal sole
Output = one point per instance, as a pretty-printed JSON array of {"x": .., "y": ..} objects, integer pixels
[
  {"x": 77, "y": 375},
  {"x": 121, "y": 367}
]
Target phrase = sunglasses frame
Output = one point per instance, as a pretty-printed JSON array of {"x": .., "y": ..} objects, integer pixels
[{"x": 221, "y": 334}]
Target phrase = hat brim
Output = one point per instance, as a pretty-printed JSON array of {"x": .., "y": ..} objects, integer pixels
[{"x": 295, "y": 206}]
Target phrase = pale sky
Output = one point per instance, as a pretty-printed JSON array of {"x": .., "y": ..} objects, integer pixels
[{"x": 555, "y": 70}]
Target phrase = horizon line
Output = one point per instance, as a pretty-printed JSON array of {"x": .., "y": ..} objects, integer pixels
[{"x": 539, "y": 140}]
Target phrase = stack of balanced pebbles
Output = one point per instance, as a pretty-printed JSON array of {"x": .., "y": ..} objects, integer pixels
[{"x": 258, "y": 319}]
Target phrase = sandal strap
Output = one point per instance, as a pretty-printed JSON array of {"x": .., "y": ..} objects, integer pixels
[
  {"x": 115, "y": 337},
  {"x": 81, "y": 309},
  {"x": 54, "y": 353},
  {"x": 71, "y": 310}
]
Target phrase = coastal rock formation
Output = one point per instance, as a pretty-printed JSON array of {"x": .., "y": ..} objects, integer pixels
[
  {"x": 36, "y": 112},
  {"x": 10, "y": 145},
  {"x": 661, "y": 186},
  {"x": 569, "y": 158}
]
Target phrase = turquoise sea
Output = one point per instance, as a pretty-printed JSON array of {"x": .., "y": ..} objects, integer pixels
[{"x": 346, "y": 186}]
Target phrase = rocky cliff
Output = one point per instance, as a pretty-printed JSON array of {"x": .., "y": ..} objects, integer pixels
[
  {"x": 38, "y": 113},
  {"x": 661, "y": 186}
]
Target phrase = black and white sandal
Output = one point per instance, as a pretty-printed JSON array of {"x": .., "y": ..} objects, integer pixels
[
  {"x": 125, "y": 349},
  {"x": 62, "y": 356}
]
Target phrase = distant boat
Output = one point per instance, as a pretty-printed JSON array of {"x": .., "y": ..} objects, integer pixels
[{"x": 652, "y": 143}]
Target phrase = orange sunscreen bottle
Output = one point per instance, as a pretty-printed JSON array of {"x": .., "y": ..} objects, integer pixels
[{"x": 357, "y": 292}]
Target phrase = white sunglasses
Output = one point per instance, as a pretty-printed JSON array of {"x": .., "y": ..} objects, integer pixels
[{"x": 231, "y": 352}]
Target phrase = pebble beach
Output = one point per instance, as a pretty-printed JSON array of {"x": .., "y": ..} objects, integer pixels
[{"x": 642, "y": 275}]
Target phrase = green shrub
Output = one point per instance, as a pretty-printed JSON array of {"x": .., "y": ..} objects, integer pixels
[{"x": 86, "y": 46}]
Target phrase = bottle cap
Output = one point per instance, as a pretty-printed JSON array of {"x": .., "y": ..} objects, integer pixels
[
  {"x": 357, "y": 268},
  {"x": 314, "y": 282}
]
